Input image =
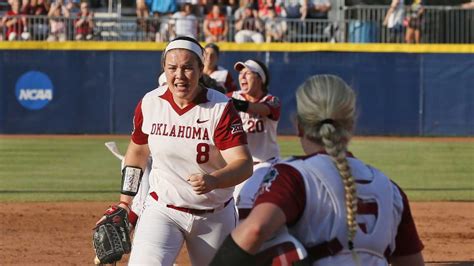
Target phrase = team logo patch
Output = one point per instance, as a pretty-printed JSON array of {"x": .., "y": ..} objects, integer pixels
[
  {"x": 236, "y": 128},
  {"x": 267, "y": 181}
]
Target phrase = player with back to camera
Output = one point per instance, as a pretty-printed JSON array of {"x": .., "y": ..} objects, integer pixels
[
  {"x": 199, "y": 153},
  {"x": 344, "y": 211}
]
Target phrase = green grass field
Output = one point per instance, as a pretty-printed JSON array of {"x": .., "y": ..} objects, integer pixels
[{"x": 77, "y": 169}]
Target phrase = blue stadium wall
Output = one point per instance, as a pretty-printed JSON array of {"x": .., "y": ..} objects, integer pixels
[{"x": 92, "y": 88}]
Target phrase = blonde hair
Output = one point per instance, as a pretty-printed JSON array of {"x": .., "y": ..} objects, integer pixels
[{"x": 326, "y": 114}]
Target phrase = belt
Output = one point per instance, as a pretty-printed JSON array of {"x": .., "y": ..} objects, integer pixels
[
  {"x": 189, "y": 210},
  {"x": 325, "y": 249},
  {"x": 331, "y": 248}
]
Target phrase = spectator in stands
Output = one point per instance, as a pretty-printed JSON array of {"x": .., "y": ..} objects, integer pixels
[
  {"x": 161, "y": 8},
  {"x": 184, "y": 23},
  {"x": 244, "y": 4},
  {"x": 318, "y": 30},
  {"x": 15, "y": 23},
  {"x": 275, "y": 27},
  {"x": 469, "y": 5},
  {"x": 38, "y": 26},
  {"x": 142, "y": 12},
  {"x": 73, "y": 6},
  {"x": 293, "y": 8},
  {"x": 295, "y": 11},
  {"x": 162, "y": 28},
  {"x": 84, "y": 23},
  {"x": 264, "y": 8},
  {"x": 162, "y": 11},
  {"x": 318, "y": 9},
  {"x": 394, "y": 19},
  {"x": 215, "y": 25},
  {"x": 232, "y": 6},
  {"x": 70, "y": 8},
  {"x": 414, "y": 21},
  {"x": 228, "y": 7},
  {"x": 194, "y": 6},
  {"x": 249, "y": 28},
  {"x": 212, "y": 69},
  {"x": 57, "y": 24}
]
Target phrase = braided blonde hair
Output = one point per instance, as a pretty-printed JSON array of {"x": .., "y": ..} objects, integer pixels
[{"x": 326, "y": 114}]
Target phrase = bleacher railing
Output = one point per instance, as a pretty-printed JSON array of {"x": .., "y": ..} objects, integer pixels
[
  {"x": 362, "y": 24},
  {"x": 439, "y": 24}
]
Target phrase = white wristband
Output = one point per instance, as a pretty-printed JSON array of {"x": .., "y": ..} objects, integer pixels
[{"x": 131, "y": 177}]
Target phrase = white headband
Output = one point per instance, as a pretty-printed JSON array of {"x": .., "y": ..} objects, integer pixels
[
  {"x": 188, "y": 45},
  {"x": 253, "y": 66}
]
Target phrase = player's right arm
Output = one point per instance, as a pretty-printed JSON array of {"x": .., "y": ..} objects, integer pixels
[
  {"x": 137, "y": 151},
  {"x": 137, "y": 156},
  {"x": 271, "y": 107}
]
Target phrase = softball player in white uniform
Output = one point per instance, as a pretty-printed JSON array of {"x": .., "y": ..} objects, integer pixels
[
  {"x": 343, "y": 211},
  {"x": 199, "y": 152},
  {"x": 260, "y": 113},
  {"x": 218, "y": 73}
]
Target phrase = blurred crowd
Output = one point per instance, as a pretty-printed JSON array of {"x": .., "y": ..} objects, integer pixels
[
  {"x": 24, "y": 20},
  {"x": 162, "y": 20},
  {"x": 205, "y": 20}
]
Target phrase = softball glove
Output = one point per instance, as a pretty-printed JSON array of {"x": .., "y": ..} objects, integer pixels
[{"x": 111, "y": 238}]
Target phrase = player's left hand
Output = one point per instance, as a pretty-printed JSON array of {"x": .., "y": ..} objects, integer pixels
[{"x": 202, "y": 183}]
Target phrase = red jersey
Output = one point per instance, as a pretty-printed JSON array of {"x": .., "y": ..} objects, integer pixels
[{"x": 216, "y": 25}]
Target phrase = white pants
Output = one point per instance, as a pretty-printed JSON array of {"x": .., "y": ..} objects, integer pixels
[
  {"x": 248, "y": 36},
  {"x": 161, "y": 232}
]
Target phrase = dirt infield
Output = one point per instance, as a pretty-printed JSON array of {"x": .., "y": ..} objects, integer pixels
[{"x": 60, "y": 233}]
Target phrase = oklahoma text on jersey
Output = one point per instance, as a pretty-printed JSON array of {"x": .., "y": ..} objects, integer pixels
[{"x": 177, "y": 131}]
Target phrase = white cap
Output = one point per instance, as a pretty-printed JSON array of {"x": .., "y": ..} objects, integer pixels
[
  {"x": 162, "y": 79},
  {"x": 253, "y": 66}
]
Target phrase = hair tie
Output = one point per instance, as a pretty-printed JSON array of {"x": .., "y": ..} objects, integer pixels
[{"x": 327, "y": 121}]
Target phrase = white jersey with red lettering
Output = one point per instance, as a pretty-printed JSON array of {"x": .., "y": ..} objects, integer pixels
[
  {"x": 183, "y": 142},
  {"x": 325, "y": 207},
  {"x": 262, "y": 131}
]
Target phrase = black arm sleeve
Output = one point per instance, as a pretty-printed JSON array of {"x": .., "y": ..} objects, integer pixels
[
  {"x": 230, "y": 254},
  {"x": 240, "y": 105}
]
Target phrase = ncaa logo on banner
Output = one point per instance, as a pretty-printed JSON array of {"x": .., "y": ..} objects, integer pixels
[{"x": 34, "y": 90}]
